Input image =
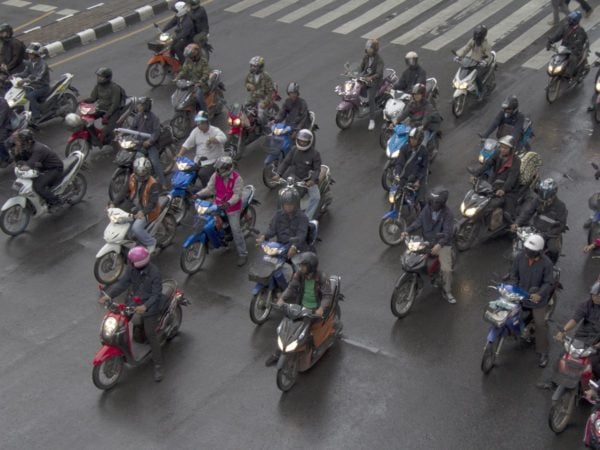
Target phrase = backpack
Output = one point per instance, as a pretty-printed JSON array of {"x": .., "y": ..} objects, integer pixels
[{"x": 530, "y": 165}]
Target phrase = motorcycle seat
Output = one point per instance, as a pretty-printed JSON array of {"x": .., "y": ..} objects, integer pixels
[
  {"x": 69, "y": 163},
  {"x": 54, "y": 86},
  {"x": 246, "y": 193}
]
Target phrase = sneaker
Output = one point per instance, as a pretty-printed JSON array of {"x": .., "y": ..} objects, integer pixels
[
  {"x": 371, "y": 125},
  {"x": 272, "y": 360},
  {"x": 242, "y": 260},
  {"x": 450, "y": 298},
  {"x": 543, "y": 360},
  {"x": 158, "y": 373}
]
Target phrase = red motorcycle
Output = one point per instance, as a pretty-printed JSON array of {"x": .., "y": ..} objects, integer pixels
[
  {"x": 118, "y": 347},
  {"x": 591, "y": 436},
  {"x": 163, "y": 62}
]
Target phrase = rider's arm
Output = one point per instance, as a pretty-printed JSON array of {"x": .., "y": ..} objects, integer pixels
[
  {"x": 466, "y": 49},
  {"x": 486, "y": 49},
  {"x": 170, "y": 24},
  {"x": 286, "y": 163},
  {"x": 93, "y": 96},
  {"x": 218, "y": 134},
  {"x": 513, "y": 175},
  {"x": 326, "y": 292},
  {"x": 238, "y": 189},
  {"x": 517, "y": 130},
  {"x": 18, "y": 54},
  {"x": 122, "y": 284},
  {"x": 210, "y": 187},
  {"x": 301, "y": 231},
  {"x": 267, "y": 87},
  {"x": 527, "y": 211},
  {"x": 155, "y": 129},
  {"x": 422, "y": 77},
  {"x": 153, "y": 200},
  {"x": 513, "y": 275},
  {"x": 557, "y": 36},
  {"x": 292, "y": 292},
  {"x": 417, "y": 224},
  {"x": 495, "y": 124},
  {"x": 422, "y": 165},
  {"x": 285, "y": 109},
  {"x": 115, "y": 100},
  {"x": 447, "y": 228},
  {"x": 272, "y": 231},
  {"x": 562, "y": 217},
  {"x": 548, "y": 279},
  {"x": 303, "y": 115},
  {"x": 39, "y": 72},
  {"x": 316, "y": 167},
  {"x": 378, "y": 75}
]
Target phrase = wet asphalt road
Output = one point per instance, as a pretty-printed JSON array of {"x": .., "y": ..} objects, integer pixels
[{"x": 413, "y": 383}]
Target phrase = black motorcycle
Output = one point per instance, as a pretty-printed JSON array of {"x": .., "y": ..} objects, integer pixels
[{"x": 557, "y": 68}]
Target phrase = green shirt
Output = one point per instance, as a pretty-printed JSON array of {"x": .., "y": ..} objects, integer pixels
[{"x": 308, "y": 299}]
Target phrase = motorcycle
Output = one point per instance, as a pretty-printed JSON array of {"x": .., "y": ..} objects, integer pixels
[
  {"x": 508, "y": 319},
  {"x": 111, "y": 258},
  {"x": 60, "y": 101},
  {"x": 182, "y": 187},
  {"x": 130, "y": 148},
  {"x": 404, "y": 209},
  {"x": 543, "y": 225},
  {"x": 591, "y": 437},
  {"x": 325, "y": 182},
  {"x": 596, "y": 110},
  {"x": 392, "y": 151},
  {"x": 125, "y": 343},
  {"x": 16, "y": 212},
  {"x": 556, "y": 71},
  {"x": 278, "y": 144},
  {"x": 84, "y": 132},
  {"x": 354, "y": 104},
  {"x": 464, "y": 81},
  {"x": 212, "y": 230},
  {"x": 594, "y": 205},
  {"x": 163, "y": 62},
  {"x": 184, "y": 103},
  {"x": 303, "y": 343}
]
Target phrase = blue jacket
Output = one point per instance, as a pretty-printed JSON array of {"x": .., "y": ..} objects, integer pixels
[{"x": 430, "y": 229}]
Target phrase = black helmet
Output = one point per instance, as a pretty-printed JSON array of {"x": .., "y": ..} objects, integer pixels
[
  {"x": 416, "y": 132},
  {"x": 194, "y": 3},
  {"x": 224, "y": 165},
  {"x": 511, "y": 103},
  {"x": 146, "y": 102},
  {"x": 310, "y": 260},
  {"x": 438, "y": 197},
  {"x": 104, "y": 75},
  {"x": 6, "y": 28},
  {"x": 293, "y": 87},
  {"x": 25, "y": 138},
  {"x": 290, "y": 196},
  {"x": 547, "y": 189},
  {"x": 479, "y": 34},
  {"x": 25, "y": 135}
]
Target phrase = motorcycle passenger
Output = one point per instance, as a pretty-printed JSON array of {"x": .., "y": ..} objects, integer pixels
[
  {"x": 294, "y": 112},
  {"x": 411, "y": 166},
  {"x": 573, "y": 37},
  {"x": 413, "y": 74},
  {"x": 421, "y": 112},
  {"x": 196, "y": 69},
  {"x": 12, "y": 50},
  {"x": 260, "y": 87},
  {"x": 148, "y": 122},
  {"x": 509, "y": 116},
  {"x": 5, "y": 131},
  {"x": 184, "y": 29},
  {"x": 504, "y": 168},
  {"x": 143, "y": 279},
  {"x": 310, "y": 288},
  {"x": 142, "y": 200},
  {"x": 37, "y": 75},
  {"x": 289, "y": 225},
  {"x": 110, "y": 98},
  {"x": 200, "y": 19},
  {"x": 371, "y": 68},
  {"x": 208, "y": 141},
  {"x": 479, "y": 50},
  {"x": 546, "y": 203},
  {"x": 227, "y": 186},
  {"x": 35, "y": 155},
  {"x": 436, "y": 223},
  {"x": 302, "y": 162},
  {"x": 532, "y": 271}
]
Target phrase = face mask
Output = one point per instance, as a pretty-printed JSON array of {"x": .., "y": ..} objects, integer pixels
[
  {"x": 531, "y": 253},
  {"x": 436, "y": 206}
]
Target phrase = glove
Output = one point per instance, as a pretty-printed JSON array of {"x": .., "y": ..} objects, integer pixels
[{"x": 548, "y": 46}]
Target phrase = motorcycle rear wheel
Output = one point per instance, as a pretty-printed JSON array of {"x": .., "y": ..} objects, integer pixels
[
  {"x": 181, "y": 125},
  {"x": 15, "y": 219},
  {"x": 387, "y": 177},
  {"x": 104, "y": 381},
  {"x": 489, "y": 356},
  {"x": 403, "y": 297},
  {"x": 78, "y": 144},
  {"x": 344, "y": 118},
  {"x": 288, "y": 374},
  {"x": 248, "y": 221},
  {"x": 166, "y": 231},
  {"x": 458, "y": 105},
  {"x": 561, "y": 411},
  {"x": 110, "y": 263},
  {"x": 118, "y": 183},
  {"x": 77, "y": 189},
  {"x": 553, "y": 89},
  {"x": 390, "y": 230},
  {"x": 68, "y": 104},
  {"x": 260, "y": 306},
  {"x": 155, "y": 74},
  {"x": 466, "y": 235},
  {"x": 176, "y": 320},
  {"x": 193, "y": 257}
]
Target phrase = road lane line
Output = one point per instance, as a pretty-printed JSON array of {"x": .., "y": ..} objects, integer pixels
[
  {"x": 401, "y": 19},
  {"x": 336, "y": 13},
  {"x": 241, "y": 6},
  {"x": 512, "y": 22},
  {"x": 276, "y": 7},
  {"x": 305, "y": 11},
  {"x": 368, "y": 16},
  {"x": 26, "y": 24}
]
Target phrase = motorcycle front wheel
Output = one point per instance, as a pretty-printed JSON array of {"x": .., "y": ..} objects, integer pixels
[
  {"x": 155, "y": 74},
  {"x": 77, "y": 189},
  {"x": 268, "y": 175},
  {"x": 390, "y": 230},
  {"x": 180, "y": 125},
  {"x": 165, "y": 232},
  {"x": 466, "y": 235},
  {"x": 403, "y": 297},
  {"x": 458, "y": 105},
  {"x": 78, "y": 145},
  {"x": 288, "y": 374},
  {"x": 179, "y": 208},
  {"x": 344, "y": 118},
  {"x": 387, "y": 177},
  {"x": 553, "y": 89},
  {"x": 193, "y": 257},
  {"x": 15, "y": 219},
  {"x": 167, "y": 160},
  {"x": 118, "y": 183},
  {"x": 109, "y": 267},
  {"x": 106, "y": 374},
  {"x": 176, "y": 319},
  {"x": 247, "y": 221},
  {"x": 67, "y": 104},
  {"x": 489, "y": 356},
  {"x": 260, "y": 306},
  {"x": 561, "y": 411}
]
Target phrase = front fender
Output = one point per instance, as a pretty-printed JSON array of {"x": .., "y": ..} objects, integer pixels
[
  {"x": 494, "y": 333},
  {"x": 83, "y": 134},
  {"x": 154, "y": 59},
  {"x": 106, "y": 352},
  {"x": 344, "y": 105},
  {"x": 392, "y": 214},
  {"x": 108, "y": 248},
  {"x": 196, "y": 237},
  {"x": 257, "y": 288},
  {"x": 459, "y": 92},
  {"x": 13, "y": 201},
  {"x": 281, "y": 362}
]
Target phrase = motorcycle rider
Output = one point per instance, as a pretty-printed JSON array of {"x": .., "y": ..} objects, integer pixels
[
  {"x": 5, "y": 131},
  {"x": 141, "y": 199},
  {"x": 309, "y": 287},
  {"x": 289, "y": 225},
  {"x": 573, "y": 37},
  {"x": 184, "y": 29},
  {"x": 12, "y": 50},
  {"x": 227, "y": 186},
  {"x": 37, "y": 75},
  {"x": 260, "y": 87},
  {"x": 546, "y": 203},
  {"x": 371, "y": 68},
  {"x": 421, "y": 112},
  {"x": 143, "y": 279},
  {"x": 294, "y": 111},
  {"x": 29, "y": 153},
  {"x": 209, "y": 142},
  {"x": 200, "y": 19},
  {"x": 532, "y": 271},
  {"x": 479, "y": 50},
  {"x": 148, "y": 122},
  {"x": 196, "y": 69},
  {"x": 411, "y": 166},
  {"x": 505, "y": 168},
  {"x": 5, "y": 83},
  {"x": 436, "y": 223},
  {"x": 509, "y": 116},
  {"x": 110, "y": 98},
  {"x": 413, "y": 74},
  {"x": 302, "y": 162}
]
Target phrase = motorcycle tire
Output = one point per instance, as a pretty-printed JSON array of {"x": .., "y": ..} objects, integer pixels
[
  {"x": 155, "y": 74},
  {"x": 78, "y": 145},
  {"x": 597, "y": 113},
  {"x": 344, "y": 118},
  {"x": 385, "y": 136},
  {"x": 458, "y": 105},
  {"x": 77, "y": 189},
  {"x": 466, "y": 235},
  {"x": 67, "y": 104},
  {"x": 390, "y": 230},
  {"x": 15, "y": 219},
  {"x": 387, "y": 177},
  {"x": 179, "y": 209},
  {"x": 181, "y": 125},
  {"x": 111, "y": 263},
  {"x": 403, "y": 297},
  {"x": 165, "y": 232},
  {"x": 115, "y": 364},
  {"x": 176, "y": 319},
  {"x": 553, "y": 89},
  {"x": 119, "y": 182},
  {"x": 562, "y": 410},
  {"x": 248, "y": 221},
  {"x": 488, "y": 359},
  {"x": 267, "y": 176},
  {"x": 167, "y": 159},
  {"x": 235, "y": 148},
  {"x": 260, "y": 306},
  {"x": 192, "y": 258},
  {"x": 288, "y": 374}
]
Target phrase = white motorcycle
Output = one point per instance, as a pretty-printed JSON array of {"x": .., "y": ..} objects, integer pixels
[
  {"x": 392, "y": 110},
  {"x": 464, "y": 81},
  {"x": 110, "y": 260},
  {"x": 17, "y": 211}
]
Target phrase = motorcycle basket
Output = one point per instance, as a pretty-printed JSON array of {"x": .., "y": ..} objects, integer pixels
[{"x": 495, "y": 315}]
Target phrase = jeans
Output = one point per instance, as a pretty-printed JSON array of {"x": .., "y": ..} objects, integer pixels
[
  {"x": 44, "y": 183},
  {"x": 139, "y": 230},
  {"x": 154, "y": 157},
  {"x": 200, "y": 103},
  {"x": 34, "y": 96},
  {"x": 553, "y": 248},
  {"x": 150, "y": 324},
  {"x": 238, "y": 237},
  {"x": 559, "y": 6},
  {"x": 314, "y": 197}
]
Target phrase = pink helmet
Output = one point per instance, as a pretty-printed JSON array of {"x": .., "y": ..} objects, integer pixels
[{"x": 139, "y": 256}]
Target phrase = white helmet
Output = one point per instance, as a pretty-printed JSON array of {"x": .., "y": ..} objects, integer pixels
[
  {"x": 180, "y": 9},
  {"x": 73, "y": 121},
  {"x": 304, "y": 139},
  {"x": 535, "y": 243}
]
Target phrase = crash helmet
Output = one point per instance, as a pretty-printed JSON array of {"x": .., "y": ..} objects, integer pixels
[
  {"x": 310, "y": 260},
  {"x": 142, "y": 167},
  {"x": 139, "y": 256},
  {"x": 595, "y": 289},
  {"x": 293, "y": 87},
  {"x": 372, "y": 44},
  {"x": 146, "y": 102},
  {"x": 194, "y": 4},
  {"x": 257, "y": 64},
  {"x": 479, "y": 34},
  {"x": 34, "y": 48},
  {"x": 180, "y": 9},
  {"x": 6, "y": 28},
  {"x": 438, "y": 197},
  {"x": 510, "y": 104},
  {"x": 574, "y": 17},
  {"x": 25, "y": 137},
  {"x": 304, "y": 139},
  {"x": 191, "y": 51},
  {"x": 289, "y": 196},
  {"x": 508, "y": 141},
  {"x": 417, "y": 133},
  {"x": 73, "y": 121},
  {"x": 534, "y": 243},
  {"x": 547, "y": 189},
  {"x": 202, "y": 116},
  {"x": 104, "y": 75},
  {"x": 224, "y": 165},
  {"x": 411, "y": 58}
]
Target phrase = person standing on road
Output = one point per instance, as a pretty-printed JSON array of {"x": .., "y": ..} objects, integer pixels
[
  {"x": 587, "y": 9},
  {"x": 109, "y": 98},
  {"x": 37, "y": 75},
  {"x": 12, "y": 50},
  {"x": 184, "y": 29},
  {"x": 371, "y": 68},
  {"x": 558, "y": 6}
]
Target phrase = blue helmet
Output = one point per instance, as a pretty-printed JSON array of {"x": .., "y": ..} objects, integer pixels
[{"x": 574, "y": 17}]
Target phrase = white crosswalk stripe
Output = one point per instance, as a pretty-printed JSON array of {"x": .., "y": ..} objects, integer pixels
[
  {"x": 336, "y": 13},
  {"x": 369, "y": 16},
  {"x": 512, "y": 22},
  {"x": 243, "y": 5},
  {"x": 281, "y": 4},
  {"x": 305, "y": 11}
]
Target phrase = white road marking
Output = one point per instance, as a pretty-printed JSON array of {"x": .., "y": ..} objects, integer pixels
[
  {"x": 42, "y": 8},
  {"x": 368, "y": 16},
  {"x": 241, "y": 6},
  {"x": 335, "y": 14},
  {"x": 67, "y": 12},
  {"x": 276, "y": 7},
  {"x": 16, "y": 3},
  {"x": 305, "y": 11}
]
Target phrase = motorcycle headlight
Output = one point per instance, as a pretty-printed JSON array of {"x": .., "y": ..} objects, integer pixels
[
  {"x": 348, "y": 85},
  {"x": 237, "y": 122},
  {"x": 279, "y": 343},
  {"x": 109, "y": 327},
  {"x": 415, "y": 246},
  {"x": 598, "y": 85},
  {"x": 468, "y": 212},
  {"x": 85, "y": 109},
  {"x": 395, "y": 154},
  {"x": 271, "y": 251},
  {"x": 127, "y": 143},
  {"x": 11, "y": 103},
  {"x": 463, "y": 85},
  {"x": 291, "y": 346},
  {"x": 481, "y": 158},
  {"x": 392, "y": 197},
  {"x": 597, "y": 425},
  {"x": 164, "y": 37},
  {"x": 182, "y": 166},
  {"x": 202, "y": 209}
]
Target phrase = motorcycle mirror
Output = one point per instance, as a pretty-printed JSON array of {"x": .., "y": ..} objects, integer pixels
[
  {"x": 453, "y": 52},
  {"x": 347, "y": 65}
]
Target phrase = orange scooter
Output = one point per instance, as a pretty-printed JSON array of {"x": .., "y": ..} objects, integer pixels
[{"x": 163, "y": 62}]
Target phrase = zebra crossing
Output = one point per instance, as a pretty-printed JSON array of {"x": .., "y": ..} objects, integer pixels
[{"x": 514, "y": 25}]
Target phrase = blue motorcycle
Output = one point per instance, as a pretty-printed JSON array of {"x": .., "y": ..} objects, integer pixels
[
  {"x": 278, "y": 144},
  {"x": 182, "y": 187},
  {"x": 212, "y": 230},
  {"x": 404, "y": 209},
  {"x": 489, "y": 145},
  {"x": 394, "y": 144}
]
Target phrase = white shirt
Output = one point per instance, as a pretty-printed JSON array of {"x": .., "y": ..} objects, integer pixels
[{"x": 198, "y": 139}]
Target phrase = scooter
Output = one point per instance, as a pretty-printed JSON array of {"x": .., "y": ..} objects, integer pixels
[
  {"x": 61, "y": 100},
  {"x": 464, "y": 81},
  {"x": 542, "y": 225},
  {"x": 303, "y": 337},
  {"x": 18, "y": 210},
  {"x": 591, "y": 437},
  {"x": 184, "y": 102},
  {"x": 404, "y": 209},
  {"x": 325, "y": 182},
  {"x": 557, "y": 67},
  {"x": 182, "y": 187},
  {"x": 110, "y": 259},
  {"x": 593, "y": 223},
  {"x": 394, "y": 145},
  {"x": 123, "y": 344},
  {"x": 163, "y": 62},
  {"x": 212, "y": 230},
  {"x": 596, "y": 110},
  {"x": 354, "y": 102}
]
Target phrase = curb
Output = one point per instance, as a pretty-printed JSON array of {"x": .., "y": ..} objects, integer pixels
[{"x": 112, "y": 26}]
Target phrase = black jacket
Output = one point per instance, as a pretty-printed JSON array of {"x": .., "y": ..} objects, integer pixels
[
  {"x": 289, "y": 230},
  {"x": 148, "y": 123},
  {"x": 422, "y": 113},
  {"x": 535, "y": 279},
  {"x": 411, "y": 76},
  {"x": 430, "y": 229},
  {"x": 295, "y": 290},
  {"x": 506, "y": 172},
  {"x": 299, "y": 163},
  {"x": 109, "y": 96},
  {"x": 145, "y": 283},
  {"x": 5, "y": 115},
  {"x": 12, "y": 53},
  {"x": 36, "y": 73},
  {"x": 574, "y": 38},
  {"x": 374, "y": 68},
  {"x": 412, "y": 165},
  {"x": 535, "y": 208},
  {"x": 295, "y": 113},
  {"x": 200, "y": 20},
  {"x": 184, "y": 28},
  {"x": 41, "y": 158},
  {"x": 515, "y": 121}
]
